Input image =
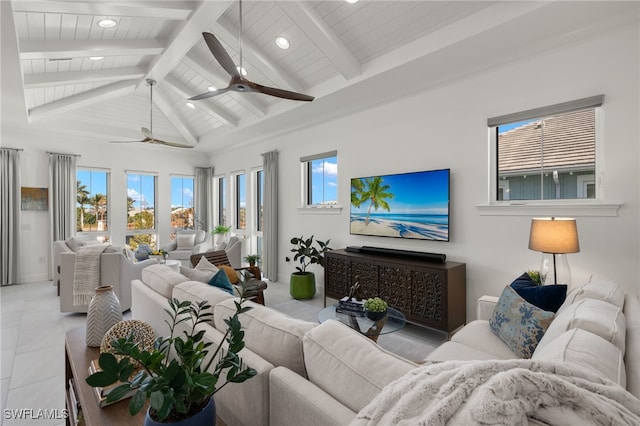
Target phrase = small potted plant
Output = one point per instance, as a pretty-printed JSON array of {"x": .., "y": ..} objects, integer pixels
[
  {"x": 180, "y": 386},
  {"x": 221, "y": 231},
  {"x": 303, "y": 283},
  {"x": 535, "y": 276},
  {"x": 375, "y": 308},
  {"x": 252, "y": 259}
]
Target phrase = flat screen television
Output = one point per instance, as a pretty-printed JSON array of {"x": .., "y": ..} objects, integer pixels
[{"x": 406, "y": 205}]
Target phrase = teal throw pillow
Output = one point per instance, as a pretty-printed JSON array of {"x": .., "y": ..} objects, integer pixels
[
  {"x": 518, "y": 323},
  {"x": 221, "y": 281}
]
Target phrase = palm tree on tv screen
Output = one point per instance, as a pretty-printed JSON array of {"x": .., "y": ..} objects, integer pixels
[{"x": 376, "y": 193}]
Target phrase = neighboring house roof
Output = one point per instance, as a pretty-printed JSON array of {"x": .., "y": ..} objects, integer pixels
[{"x": 569, "y": 144}]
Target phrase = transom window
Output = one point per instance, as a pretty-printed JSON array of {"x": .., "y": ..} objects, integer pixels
[{"x": 547, "y": 153}]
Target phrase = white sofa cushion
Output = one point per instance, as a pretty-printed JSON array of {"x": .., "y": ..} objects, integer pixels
[
  {"x": 477, "y": 334},
  {"x": 162, "y": 278},
  {"x": 271, "y": 334},
  {"x": 185, "y": 241},
  {"x": 596, "y": 288},
  {"x": 195, "y": 274},
  {"x": 587, "y": 350},
  {"x": 599, "y": 317},
  {"x": 349, "y": 366},
  {"x": 456, "y": 351},
  {"x": 196, "y": 291},
  {"x": 632, "y": 357}
]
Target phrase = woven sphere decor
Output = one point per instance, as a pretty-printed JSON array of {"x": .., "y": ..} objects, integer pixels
[{"x": 143, "y": 335}]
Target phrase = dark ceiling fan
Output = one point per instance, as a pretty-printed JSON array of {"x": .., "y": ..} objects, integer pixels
[
  {"x": 238, "y": 83},
  {"x": 148, "y": 133}
]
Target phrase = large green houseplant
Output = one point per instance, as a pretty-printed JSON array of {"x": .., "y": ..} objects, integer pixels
[
  {"x": 183, "y": 384},
  {"x": 302, "y": 284}
]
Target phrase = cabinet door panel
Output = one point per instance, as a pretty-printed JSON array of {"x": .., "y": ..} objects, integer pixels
[
  {"x": 367, "y": 275},
  {"x": 395, "y": 286},
  {"x": 427, "y": 295},
  {"x": 337, "y": 276}
]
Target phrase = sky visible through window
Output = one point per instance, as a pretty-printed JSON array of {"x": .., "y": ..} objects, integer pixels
[{"x": 324, "y": 181}]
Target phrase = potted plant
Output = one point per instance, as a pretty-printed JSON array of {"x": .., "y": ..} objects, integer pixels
[
  {"x": 375, "y": 308},
  {"x": 252, "y": 259},
  {"x": 180, "y": 386},
  {"x": 302, "y": 284},
  {"x": 221, "y": 231}
]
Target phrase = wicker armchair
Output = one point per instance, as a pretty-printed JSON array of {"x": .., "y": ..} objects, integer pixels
[{"x": 254, "y": 288}]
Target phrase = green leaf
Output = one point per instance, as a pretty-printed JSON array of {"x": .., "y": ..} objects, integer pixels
[
  {"x": 108, "y": 362},
  {"x": 102, "y": 379},
  {"x": 157, "y": 400},
  {"x": 137, "y": 402},
  {"x": 118, "y": 393}
]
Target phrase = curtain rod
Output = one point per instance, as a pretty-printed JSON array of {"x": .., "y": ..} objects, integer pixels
[
  {"x": 14, "y": 149},
  {"x": 62, "y": 153}
]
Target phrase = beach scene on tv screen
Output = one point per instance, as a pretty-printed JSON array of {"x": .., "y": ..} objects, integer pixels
[{"x": 408, "y": 205}]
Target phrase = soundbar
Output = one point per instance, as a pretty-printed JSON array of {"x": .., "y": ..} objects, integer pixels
[{"x": 433, "y": 257}]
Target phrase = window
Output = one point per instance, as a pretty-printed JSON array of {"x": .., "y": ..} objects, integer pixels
[
  {"x": 320, "y": 179},
  {"x": 222, "y": 200},
  {"x": 141, "y": 214},
  {"x": 259, "y": 200},
  {"x": 546, "y": 154},
  {"x": 182, "y": 202},
  {"x": 92, "y": 202},
  {"x": 240, "y": 201}
]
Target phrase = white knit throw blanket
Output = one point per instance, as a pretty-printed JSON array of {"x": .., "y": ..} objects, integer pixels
[
  {"x": 510, "y": 392},
  {"x": 86, "y": 273}
]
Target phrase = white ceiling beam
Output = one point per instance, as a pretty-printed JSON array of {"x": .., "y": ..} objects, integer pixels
[
  {"x": 206, "y": 13},
  {"x": 78, "y": 49},
  {"x": 311, "y": 23},
  {"x": 81, "y": 100},
  {"x": 161, "y": 10},
  {"x": 215, "y": 111},
  {"x": 163, "y": 104},
  {"x": 198, "y": 65},
  {"x": 52, "y": 79},
  {"x": 229, "y": 34}
]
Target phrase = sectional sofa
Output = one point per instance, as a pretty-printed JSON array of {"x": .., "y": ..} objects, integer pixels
[{"x": 326, "y": 374}]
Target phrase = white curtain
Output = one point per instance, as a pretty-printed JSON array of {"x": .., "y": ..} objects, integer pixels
[
  {"x": 270, "y": 231},
  {"x": 9, "y": 215},
  {"x": 203, "y": 198},
  {"x": 62, "y": 198}
]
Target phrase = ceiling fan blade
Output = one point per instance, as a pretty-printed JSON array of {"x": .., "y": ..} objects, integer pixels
[
  {"x": 280, "y": 93},
  {"x": 209, "y": 94},
  {"x": 125, "y": 141},
  {"x": 173, "y": 144},
  {"x": 220, "y": 54}
]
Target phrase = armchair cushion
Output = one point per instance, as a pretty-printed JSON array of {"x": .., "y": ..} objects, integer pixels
[
  {"x": 230, "y": 272},
  {"x": 205, "y": 265},
  {"x": 185, "y": 241}
]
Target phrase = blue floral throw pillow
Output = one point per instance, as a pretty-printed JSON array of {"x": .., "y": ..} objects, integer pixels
[
  {"x": 518, "y": 323},
  {"x": 547, "y": 297},
  {"x": 221, "y": 280}
]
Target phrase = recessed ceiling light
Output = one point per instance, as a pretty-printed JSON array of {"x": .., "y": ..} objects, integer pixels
[
  {"x": 242, "y": 71},
  {"x": 107, "y": 23},
  {"x": 190, "y": 105},
  {"x": 282, "y": 42},
  {"x": 351, "y": 1},
  {"x": 211, "y": 89},
  {"x": 96, "y": 58}
]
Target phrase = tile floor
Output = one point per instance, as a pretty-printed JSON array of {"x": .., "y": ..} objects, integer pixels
[{"x": 32, "y": 331}]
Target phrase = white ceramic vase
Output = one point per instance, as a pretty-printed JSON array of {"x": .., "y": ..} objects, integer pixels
[{"x": 103, "y": 313}]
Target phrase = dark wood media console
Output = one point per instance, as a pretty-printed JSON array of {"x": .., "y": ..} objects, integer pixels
[{"x": 432, "y": 294}]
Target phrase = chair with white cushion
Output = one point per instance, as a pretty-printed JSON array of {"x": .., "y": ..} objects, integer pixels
[{"x": 186, "y": 243}]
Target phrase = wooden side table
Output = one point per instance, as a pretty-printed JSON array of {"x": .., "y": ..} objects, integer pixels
[{"x": 77, "y": 359}]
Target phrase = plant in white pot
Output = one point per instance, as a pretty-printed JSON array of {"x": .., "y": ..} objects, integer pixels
[
  {"x": 302, "y": 284},
  {"x": 221, "y": 231},
  {"x": 179, "y": 387}
]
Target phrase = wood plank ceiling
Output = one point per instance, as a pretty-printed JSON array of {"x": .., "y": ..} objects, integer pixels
[{"x": 333, "y": 45}]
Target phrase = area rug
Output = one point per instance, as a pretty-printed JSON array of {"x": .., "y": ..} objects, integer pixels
[{"x": 411, "y": 344}]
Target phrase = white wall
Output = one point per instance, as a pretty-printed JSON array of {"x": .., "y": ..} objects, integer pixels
[
  {"x": 446, "y": 128},
  {"x": 441, "y": 128}
]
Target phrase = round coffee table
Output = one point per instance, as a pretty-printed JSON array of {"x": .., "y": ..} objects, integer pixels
[{"x": 394, "y": 321}]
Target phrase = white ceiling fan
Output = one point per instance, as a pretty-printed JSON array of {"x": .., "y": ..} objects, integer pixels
[{"x": 148, "y": 133}]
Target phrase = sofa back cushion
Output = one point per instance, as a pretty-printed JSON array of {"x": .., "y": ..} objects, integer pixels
[
  {"x": 632, "y": 355},
  {"x": 598, "y": 317},
  {"x": 273, "y": 335},
  {"x": 349, "y": 366},
  {"x": 162, "y": 279},
  {"x": 196, "y": 291},
  {"x": 587, "y": 350},
  {"x": 596, "y": 288}
]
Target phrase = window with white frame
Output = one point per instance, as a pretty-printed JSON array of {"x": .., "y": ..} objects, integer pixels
[
  {"x": 546, "y": 154},
  {"x": 92, "y": 202},
  {"x": 182, "y": 203},
  {"x": 221, "y": 200},
  {"x": 320, "y": 179},
  {"x": 141, "y": 209},
  {"x": 257, "y": 236},
  {"x": 240, "y": 200}
]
